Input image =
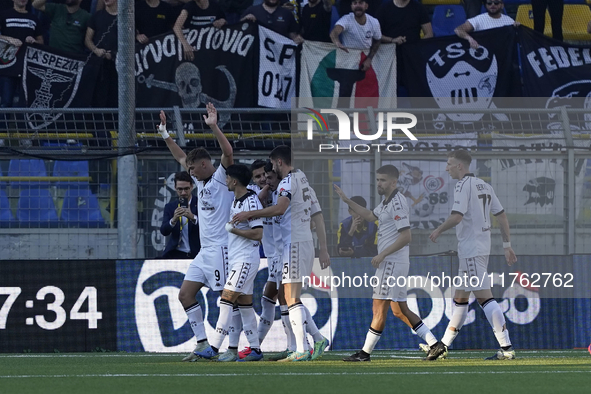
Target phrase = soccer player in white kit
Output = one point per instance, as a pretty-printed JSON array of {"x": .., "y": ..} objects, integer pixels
[
  {"x": 209, "y": 267},
  {"x": 474, "y": 200},
  {"x": 298, "y": 204},
  {"x": 392, "y": 261},
  {"x": 243, "y": 250}
]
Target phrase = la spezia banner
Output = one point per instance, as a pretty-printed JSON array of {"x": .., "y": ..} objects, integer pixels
[
  {"x": 535, "y": 186},
  {"x": 222, "y": 71},
  {"x": 426, "y": 185},
  {"x": 555, "y": 69},
  {"x": 11, "y": 59},
  {"x": 52, "y": 79},
  {"x": 277, "y": 69},
  {"x": 327, "y": 71},
  {"x": 459, "y": 77}
]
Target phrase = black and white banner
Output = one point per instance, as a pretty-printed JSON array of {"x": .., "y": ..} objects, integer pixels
[
  {"x": 277, "y": 69},
  {"x": 54, "y": 80},
  {"x": 459, "y": 77},
  {"x": 11, "y": 59},
  {"x": 556, "y": 70},
  {"x": 222, "y": 71},
  {"x": 535, "y": 187}
]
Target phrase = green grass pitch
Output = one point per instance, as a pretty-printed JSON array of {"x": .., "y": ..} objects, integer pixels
[{"x": 542, "y": 371}]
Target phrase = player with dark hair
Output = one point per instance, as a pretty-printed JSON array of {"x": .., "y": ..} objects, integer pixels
[
  {"x": 392, "y": 261},
  {"x": 243, "y": 250},
  {"x": 209, "y": 268},
  {"x": 474, "y": 200},
  {"x": 298, "y": 204}
]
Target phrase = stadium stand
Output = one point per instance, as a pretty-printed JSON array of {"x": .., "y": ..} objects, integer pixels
[
  {"x": 574, "y": 21},
  {"x": 36, "y": 208},
  {"x": 81, "y": 209}
]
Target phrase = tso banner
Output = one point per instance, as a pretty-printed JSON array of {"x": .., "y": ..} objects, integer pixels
[
  {"x": 52, "y": 79},
  {"x": 457, "y": 76},
  {"x": 277, "y": 69},
  {"x": 330, "y": 72},
  {"x": 222, "y": 71},
  {"x": 554, "y": 69}
]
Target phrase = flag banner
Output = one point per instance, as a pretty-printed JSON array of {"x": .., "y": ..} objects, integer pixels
[
  {"x": 222, "y": 71},
  {"x": 11, "y": 59},
  {"x": 277, "y": 69},
  {"x": 53, "y": 79},
  {"x": 330, "y": 72},
  {"x": 556, "y": 70},
  {"x": 459, "y": 77}
]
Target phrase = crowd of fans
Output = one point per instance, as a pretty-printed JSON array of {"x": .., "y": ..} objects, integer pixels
[{"x": 82, "y": 26}]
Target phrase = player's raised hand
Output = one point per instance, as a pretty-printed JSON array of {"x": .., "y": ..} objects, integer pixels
[
  {"x": 340, "y": 192},
  {"x": 510, "y": 256},
  {"x": 162, "y": 118},
  {"x": 212, "y": 115}
]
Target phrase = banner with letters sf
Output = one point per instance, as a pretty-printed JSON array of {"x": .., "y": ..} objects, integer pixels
[
  {"x": 553, "y": 69},
  {"x": 222, "y": 71},
  {"x": 52, "y": 79},
  {"x": 277, "y": 69}
]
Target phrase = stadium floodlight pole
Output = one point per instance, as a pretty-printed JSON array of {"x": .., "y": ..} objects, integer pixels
[{"x": 127, "y": 164}]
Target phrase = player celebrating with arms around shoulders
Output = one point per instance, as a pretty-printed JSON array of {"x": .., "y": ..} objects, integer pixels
[
  {"x": 392, "y": 261},
  {"x": 474, "y": 200},
  {"x": 243, "y": 250},
  {"x": 298, "y": 204},
  {"x": 210, "y": 265}
]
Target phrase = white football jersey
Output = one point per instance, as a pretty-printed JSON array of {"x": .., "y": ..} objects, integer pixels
[
  {"x": 295, "y": 224},
  {"x": 393, "y": 218},
  {"x": 474, "y": 199},
  {"x": 214, "y": 207},
  {"x": 268, "y": 242},
  {"x": 241, "y": 249},
  {"x": 277, "y": 228}
]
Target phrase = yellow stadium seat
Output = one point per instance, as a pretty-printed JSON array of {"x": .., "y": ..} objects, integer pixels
[
  {"x": 574, "y": 21},
  {"x": 442, "y": 2}
]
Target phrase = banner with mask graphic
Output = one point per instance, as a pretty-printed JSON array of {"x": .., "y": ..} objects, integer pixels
[
  {"x": 554, "y": 69},
  {"x": 11, "y": 59},
  {"x": 426, "y": 185},
  {"x": 277, "y": 69},
  {"x": 52, "y": 79},
  {"x": 330, "y": 72},
  {"x": 222, "y": 71},
  {"x": 535, "y": 188},
  {"x": 459, "y": 77}
]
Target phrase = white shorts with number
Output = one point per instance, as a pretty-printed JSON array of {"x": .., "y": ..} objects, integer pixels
[
  {"x": 209, "y": 267},
  {"x": 241, "y": 275},
  {"x": 392, "y": 281},
  {"x": 473, "y": 273},
  {"x": 275, "y": 263},
  {"x": 298, "y": 259}
]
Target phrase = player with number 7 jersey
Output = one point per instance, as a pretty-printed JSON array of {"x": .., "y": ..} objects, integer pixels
[{"x": 474, "y": 200}]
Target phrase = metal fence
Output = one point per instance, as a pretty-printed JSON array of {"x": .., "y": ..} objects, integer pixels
[{"x": 59, "y": 189}]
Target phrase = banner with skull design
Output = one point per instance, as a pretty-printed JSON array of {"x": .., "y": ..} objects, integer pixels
[
  {"x": 535, "y": 189},
  {"x": 222, "y": 72},
  {"x": 556, "y": 70},
  {"x": 460, "y": 77}
]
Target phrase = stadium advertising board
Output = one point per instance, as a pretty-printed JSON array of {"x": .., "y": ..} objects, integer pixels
[{"x": 57, "y": 306}]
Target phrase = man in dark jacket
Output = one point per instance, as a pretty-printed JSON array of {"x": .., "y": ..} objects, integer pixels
[{"x": 180, "y": 221}]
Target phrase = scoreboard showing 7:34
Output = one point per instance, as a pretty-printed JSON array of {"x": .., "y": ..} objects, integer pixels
[{"x": 57, "y": 306}]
